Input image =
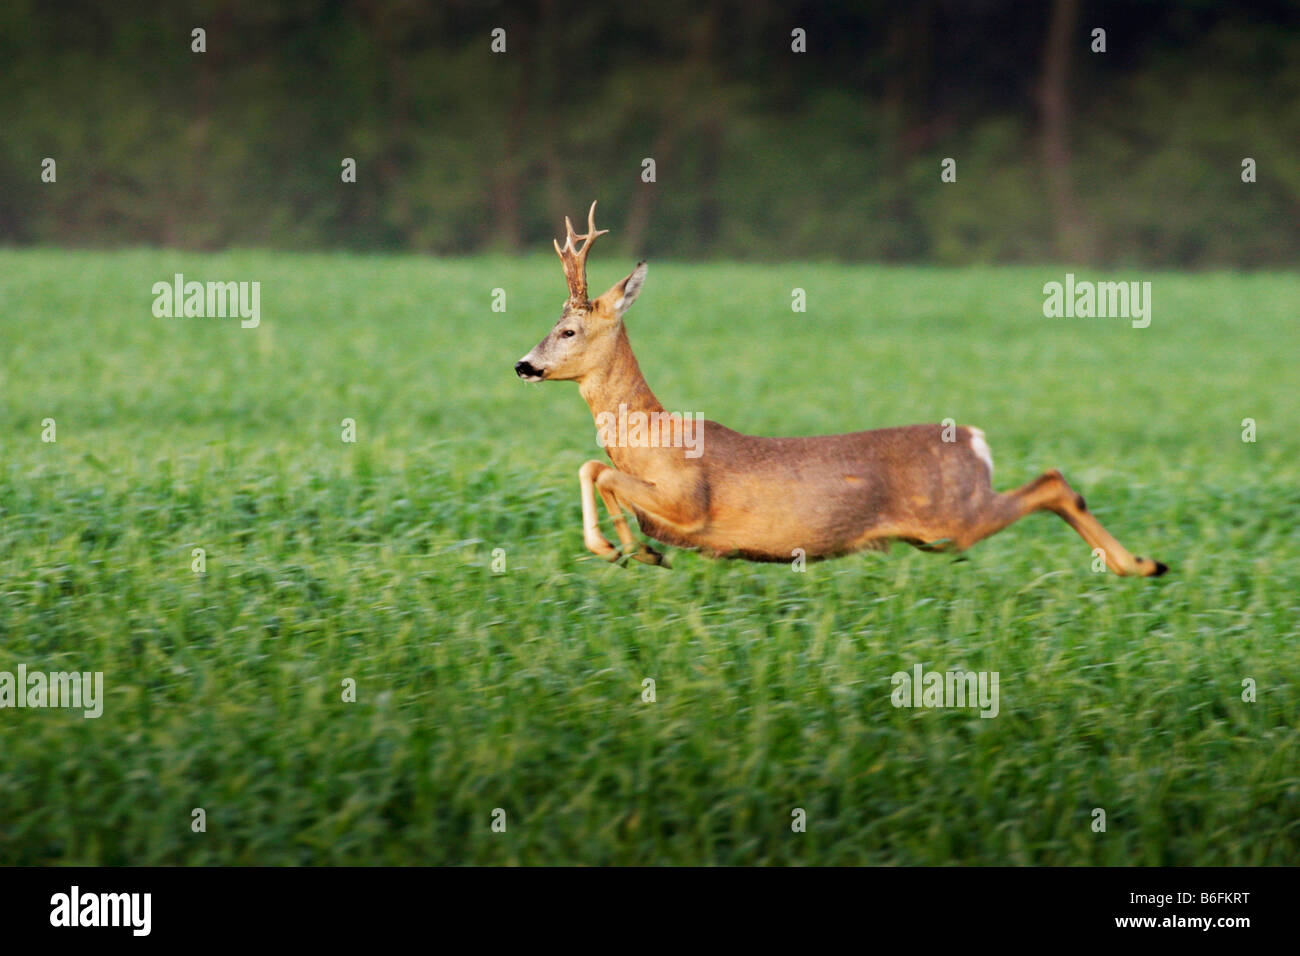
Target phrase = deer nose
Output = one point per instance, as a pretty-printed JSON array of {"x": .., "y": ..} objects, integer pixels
[{"x": 525, "y": 369}]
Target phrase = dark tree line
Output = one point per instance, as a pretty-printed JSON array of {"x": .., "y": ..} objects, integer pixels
[{"x": 1133, "y": 155}]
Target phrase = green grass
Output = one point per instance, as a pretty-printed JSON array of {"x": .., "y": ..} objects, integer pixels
[{"x": 522, "y": 690}]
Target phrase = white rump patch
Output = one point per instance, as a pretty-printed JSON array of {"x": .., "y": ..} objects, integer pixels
[{"x": 981, "y": 448}]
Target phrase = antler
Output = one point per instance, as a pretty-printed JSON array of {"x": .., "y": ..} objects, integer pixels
[{"x": 574, "y": 258}]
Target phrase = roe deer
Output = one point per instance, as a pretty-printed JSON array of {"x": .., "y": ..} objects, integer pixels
[{"x": 763, "y": 498}]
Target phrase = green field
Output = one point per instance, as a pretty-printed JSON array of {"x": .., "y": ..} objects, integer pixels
[{"x": 522, "y": 690}]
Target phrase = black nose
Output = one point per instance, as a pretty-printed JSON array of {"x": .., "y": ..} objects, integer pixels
[{"x": 525, "y": 369}]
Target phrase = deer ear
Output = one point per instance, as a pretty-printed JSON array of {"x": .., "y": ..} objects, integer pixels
[{"x": 621, "y": 295}]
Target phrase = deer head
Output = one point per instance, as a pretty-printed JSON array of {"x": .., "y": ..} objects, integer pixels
[{"x": 586, "y": 336}]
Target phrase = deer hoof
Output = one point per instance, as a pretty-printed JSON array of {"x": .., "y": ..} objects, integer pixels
[
  {"x": 601, "y": 548},
  {"x": 648, "y": 555}
]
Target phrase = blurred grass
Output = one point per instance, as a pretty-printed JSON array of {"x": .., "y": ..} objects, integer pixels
[{"x": 522, "y": 690}]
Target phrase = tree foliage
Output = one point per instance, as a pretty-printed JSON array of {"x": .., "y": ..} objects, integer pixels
[{"x": 760, "y": 152}]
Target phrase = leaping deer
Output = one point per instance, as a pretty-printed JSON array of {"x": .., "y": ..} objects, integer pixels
[{"x": 764, "y": 499}]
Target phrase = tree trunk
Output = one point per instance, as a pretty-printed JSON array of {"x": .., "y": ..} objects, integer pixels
[{"x": 1070, "y": 232}]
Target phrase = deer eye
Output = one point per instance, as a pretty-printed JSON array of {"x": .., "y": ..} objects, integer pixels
[{"x": 567, "y": 334}]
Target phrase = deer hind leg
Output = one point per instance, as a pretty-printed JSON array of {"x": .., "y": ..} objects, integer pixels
[
  {"x": 1050, "y": 492},
  {"x": 589, "y": 476}
]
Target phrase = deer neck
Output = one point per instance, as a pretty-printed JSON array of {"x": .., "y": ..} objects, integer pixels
[{"x": 620, "y": 383}]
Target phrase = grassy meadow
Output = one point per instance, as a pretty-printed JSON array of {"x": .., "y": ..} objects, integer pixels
[{"x": 521, "y": 690}]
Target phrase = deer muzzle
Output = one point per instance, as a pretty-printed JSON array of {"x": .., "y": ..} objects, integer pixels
[{"x": 529, "y": 372}]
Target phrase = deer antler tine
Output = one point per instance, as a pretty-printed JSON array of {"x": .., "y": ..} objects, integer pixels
[
  {"x": 574, "y": 257},
  {"x": 592, "y": 231}
]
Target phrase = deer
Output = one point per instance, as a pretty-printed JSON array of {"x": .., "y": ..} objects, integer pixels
[{"x": 773, "y": 499}]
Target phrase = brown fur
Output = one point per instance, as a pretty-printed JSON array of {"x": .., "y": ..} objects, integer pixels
[{"x": 765, "y": 499}]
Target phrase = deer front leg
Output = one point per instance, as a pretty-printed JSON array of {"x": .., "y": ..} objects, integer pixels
[
  {"x": 589, "y": 475},
  {"x": 621, "y": 490},
  {"x": 596, "y": 542}
]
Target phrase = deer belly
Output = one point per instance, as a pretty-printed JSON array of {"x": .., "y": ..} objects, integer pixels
[{"x": 799, "y": 521}]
